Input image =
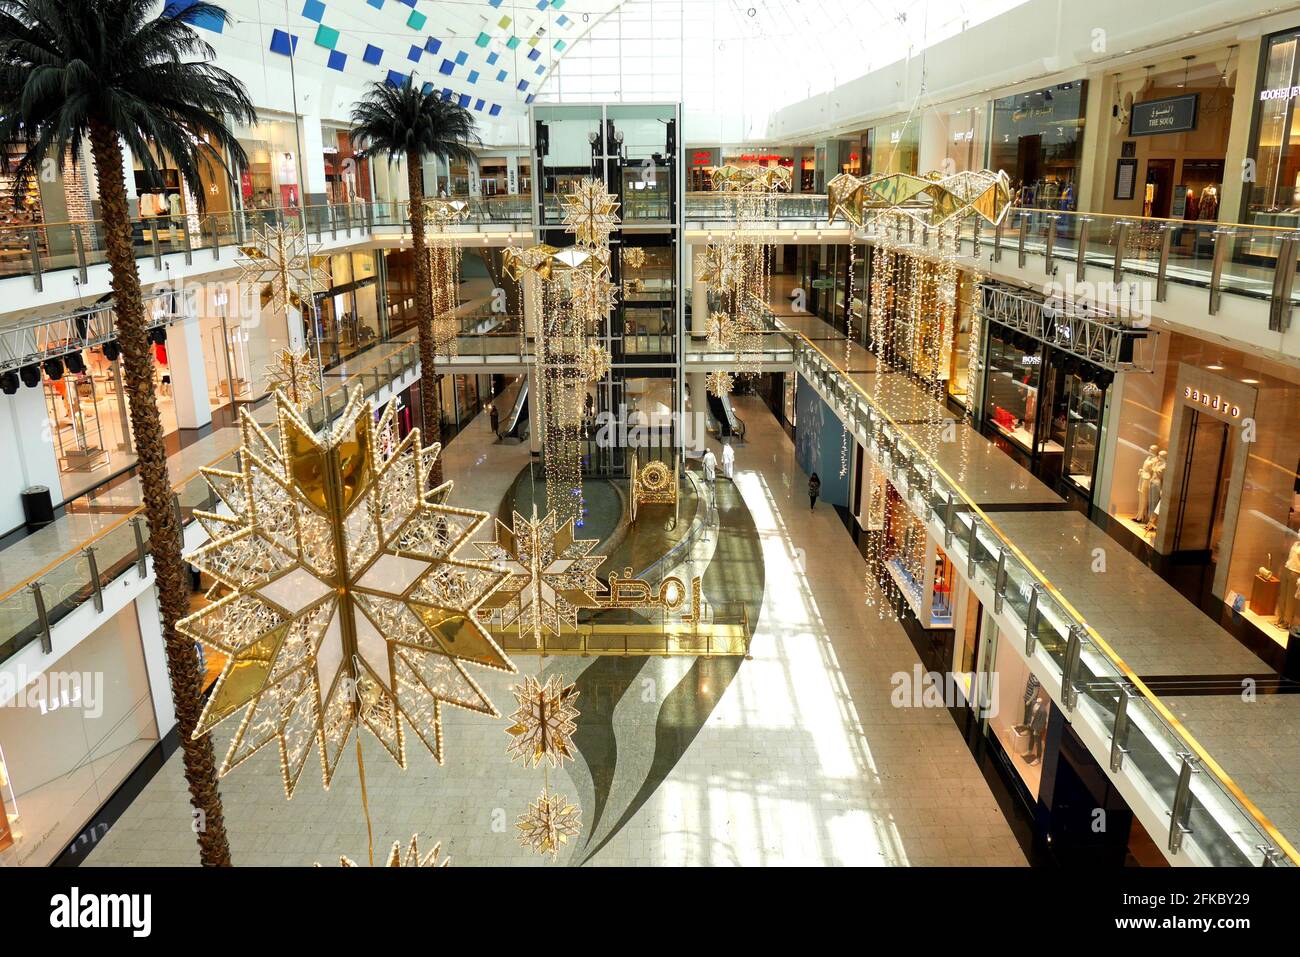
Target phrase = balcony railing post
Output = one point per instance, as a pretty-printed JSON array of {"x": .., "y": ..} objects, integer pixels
[
  {"x": 997, "y": 240},
  {"x": 334, "y": 224},
  {"x": 80, "y": 242},
  {"x": 1031, "y": 619},
  {"x": 215, "y": 244},
  {"x": 1049, "y": 247},
  {"x": 1024, "y": 235},
  {"x": 157, "y": 250},
  {"x": 189, "y": 247},
  {"x": 1162, "y": 272},
  {"x": 1279, "y": 303},
  {"x": 972, "y": 540},
  {"x": 1073, "y": 649},
  {"x": 1119, "y": 736},
  {"x": 141, "y": 554},
  {"x": 34, "y": 247},
  {"x": 96, "y": 589},
  {"x": 1121, "y": 241},
  {"x": 42, "y": 618},
  {"x": 1181, "y": 813},
  {"x": 1081, "y": 254},
  {"x": 1221, "y": 244},
  {"x": 1000, "y": 582}
]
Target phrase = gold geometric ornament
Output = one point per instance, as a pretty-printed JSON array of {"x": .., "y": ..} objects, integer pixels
[
  {"x": 346, "y": 602},
  {"x": 544, "y": 723},
  {"x": 411, "y": 857},
  {"x": 296, "y": 374},
  {"x": 278, "y": 258},
  {"x": 590, "y": 212},
  {"x": 549, "y": 823},
  {"x": 932, "y": 200},
  {"x": 548, "y": 574}
]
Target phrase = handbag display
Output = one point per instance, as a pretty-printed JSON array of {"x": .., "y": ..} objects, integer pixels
[{"x": 1020, "y": 740}]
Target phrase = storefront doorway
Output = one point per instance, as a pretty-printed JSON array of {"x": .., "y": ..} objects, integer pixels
[{"x": 1209, "y": 450}]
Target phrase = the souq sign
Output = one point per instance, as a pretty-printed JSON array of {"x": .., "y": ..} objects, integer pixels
[{"x": 1170, "y": 114}]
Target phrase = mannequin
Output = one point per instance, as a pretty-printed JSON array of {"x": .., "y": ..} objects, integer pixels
[
  {"x": 1288, "y": 603},
  {"x": 1144, "y": 483},
  {"x": 1037, "y": 724},
  {"x": 1209, "y": 203},
  {"x": 1155, "y": 488}
]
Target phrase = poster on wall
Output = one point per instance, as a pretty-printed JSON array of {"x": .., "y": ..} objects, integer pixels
[{"x": 1125, "y": 178}]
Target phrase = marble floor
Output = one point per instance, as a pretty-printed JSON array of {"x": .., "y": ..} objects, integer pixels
[{"x": 794, "y": 757}]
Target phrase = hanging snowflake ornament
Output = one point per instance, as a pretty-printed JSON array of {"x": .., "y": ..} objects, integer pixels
[
  {"x": 346, "y": 602},
  {"x": 549, "y": 574},
  {"x": 544, "y": 723},
  {"x": 590, "y": 212},
  {"x": 410, "y": 858},
  {"x": 278, "y": 259},
  {"x": 296, "y": 374},
  {"x": 549, "y": 823}
]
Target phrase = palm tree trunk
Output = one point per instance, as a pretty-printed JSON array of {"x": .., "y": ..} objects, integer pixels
[
  {"x": 432, "y": 431},
  {"x": 164, "y": 526}
]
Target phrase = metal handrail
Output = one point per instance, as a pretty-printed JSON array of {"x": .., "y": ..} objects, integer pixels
[{"x": 981, "y": 518}]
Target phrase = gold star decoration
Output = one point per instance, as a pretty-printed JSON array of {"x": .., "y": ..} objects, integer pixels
[
  {"x": 719, "y": 382},
  {"x": 296, "y": 374},
  {"x": 751, "y": 179},
  {"x": 345, "y": 602},
  {"x": 442, "y": 213},
  {"x": 549, "y": 574},
  {"x": 549, "y": 823},
  {"x": 632, "y": 257},
  {"x": 594, "y": 362},
  {"x": 278, "y": 259},
  {"x": 544, "y": 723},
  {"x": 590, "y": 212},
  {"x": 410, "y": 858}
]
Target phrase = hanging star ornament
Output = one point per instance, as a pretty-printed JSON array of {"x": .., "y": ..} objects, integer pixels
[
  {"x": 549, "y": 823},
  {"x": 278, "y": 259},
  {"x": 345, "y": 602},
  {"x": 410, "y": 858},
  {"x": 544, "y": 723},
  {"x": 296, "y": 374},
  {"x": 590, "y": 212},
  {"x": 719, "y": 382},
  {"x": 549, "y": 574}
]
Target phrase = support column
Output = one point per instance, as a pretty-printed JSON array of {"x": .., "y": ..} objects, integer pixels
[
  {"x": 188, "y": 374},
  {"x": 699, "y": 299},
  {"x": 699, "y": 419},
  {"x": 314, "y": 190}
]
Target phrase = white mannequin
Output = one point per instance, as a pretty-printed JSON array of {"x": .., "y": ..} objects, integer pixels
[
  {"x": 1290, "y": 589},
  {"x": 1155, "y": 488},
  {"x": 728, "y": 461},
  {"x": 1144, "y": 483}
]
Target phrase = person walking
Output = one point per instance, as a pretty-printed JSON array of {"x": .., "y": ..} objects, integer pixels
[{"x": 814, "y": 489}]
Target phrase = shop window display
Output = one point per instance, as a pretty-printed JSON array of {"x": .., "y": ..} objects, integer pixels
[
  {"x": 71, "y": 736},
  {"x": 1011, "y": 392},
  {"x": 1019, "y": 716},
  {"x": 1038, "y": 139}
]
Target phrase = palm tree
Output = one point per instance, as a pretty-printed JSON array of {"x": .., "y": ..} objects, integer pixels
[
  {"x": 402, "y": 121},
  {"x": 114, "y": 71}
]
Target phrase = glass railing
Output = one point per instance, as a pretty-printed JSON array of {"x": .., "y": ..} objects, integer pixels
[
  {"x": 31, "y": 608},
  {"x": 1207, "y": 811}
]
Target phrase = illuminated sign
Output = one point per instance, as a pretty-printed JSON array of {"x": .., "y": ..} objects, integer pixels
[
  {"x": 1280, "y": 93},
  {"x": 1171, "y": 114},
  {"x": 1212, "y": 401}
]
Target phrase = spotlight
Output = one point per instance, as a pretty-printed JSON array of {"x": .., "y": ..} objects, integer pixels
[
  {"x": 31, "y": 376},
  {"x": 75, "y": 362},
  {"x": 112, "y": 351},
  {"x": 54, "y": 368},
  {"x": 9, "y": 382}
]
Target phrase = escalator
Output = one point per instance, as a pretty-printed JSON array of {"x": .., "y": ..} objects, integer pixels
[
  {"x": 729, "y": 424},
  {"x": 513, "y": 426}
]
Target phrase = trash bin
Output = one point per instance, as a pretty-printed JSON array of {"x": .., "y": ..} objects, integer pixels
[{"x": 38, "y": 508}]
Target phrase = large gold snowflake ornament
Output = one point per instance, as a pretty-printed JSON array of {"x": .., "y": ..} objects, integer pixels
[
  {"x": 590, "y": 212},
  {"x": 411, "y": 857},
  {"x": 549, "y": 823},
  {"x": 346, "y": 605},
  {"x": 278, "y": 259},
  {"x": 296, "y": 374},
  {"x": 544, "y": 723},
  {"x": 549, "y": 575},
  {"x": 719, "y": 382}
]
